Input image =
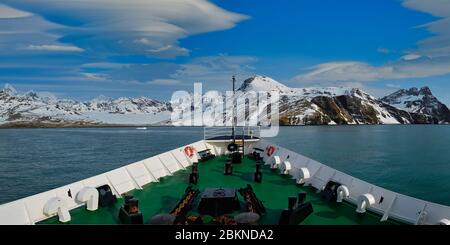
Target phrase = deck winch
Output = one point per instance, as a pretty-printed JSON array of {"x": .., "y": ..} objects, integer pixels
[{"x": 218, "y": 201}]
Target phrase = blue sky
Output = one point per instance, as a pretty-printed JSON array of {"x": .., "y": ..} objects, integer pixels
[{"x": 83, "y": 49}]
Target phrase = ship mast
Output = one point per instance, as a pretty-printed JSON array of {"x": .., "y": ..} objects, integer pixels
[{"x": 234, "y": 111}]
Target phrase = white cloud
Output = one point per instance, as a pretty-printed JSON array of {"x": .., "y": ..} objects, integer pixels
[
  {"x": 94, "y": 76},
  {"x": 103, "y": 65},
  {"x": 216, "y": 70},
  {"x": 151, "y": 27},
  {"x": 213, "y": 71},
  {"x": 391, "y": 85},
  {"x": 56, "y": 48},
  {"x": 344, "y": 71},
  {"x": 11, "y": 13},
  {"x": 384, "y": 50},
  {"x": 439, "y": 44},
  {"x": 364, "y": 72},
  {"x": 410, "y": 57},
  {"x": 165, "y": 82}
]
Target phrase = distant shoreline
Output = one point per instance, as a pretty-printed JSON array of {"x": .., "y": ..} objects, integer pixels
[
  {"x": 34, "y": 125},
  {"x": 18, "y": 125}
]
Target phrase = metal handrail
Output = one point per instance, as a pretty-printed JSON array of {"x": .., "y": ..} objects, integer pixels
[{"x": 210, "y": 132}]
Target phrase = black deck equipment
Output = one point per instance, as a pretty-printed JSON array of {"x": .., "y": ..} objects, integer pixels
[
  {"x": 258, "y": 173},
  {"x": 329, "y": 193},
  {"x": 218, "y": 201},
  {"x": 205, "y": 155},
  {"x": 236, "y": 157},
  {"x": 105, "y": 196},
  {"x": 228, "y": 168},
  {"x": 129, "y": 213},
  {"x": 256, "y": 154},
  {"x": 296, "y": 212},
  {"x": 193, "y": 176}
]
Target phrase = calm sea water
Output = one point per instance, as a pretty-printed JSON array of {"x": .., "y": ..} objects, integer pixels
[{"x": 414, "y": 159}]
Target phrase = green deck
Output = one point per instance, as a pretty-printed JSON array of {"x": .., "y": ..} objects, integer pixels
[{"x": 162, "y": 196}]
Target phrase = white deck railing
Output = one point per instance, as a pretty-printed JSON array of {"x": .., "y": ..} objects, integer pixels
[{"x": 213, "y": 132}]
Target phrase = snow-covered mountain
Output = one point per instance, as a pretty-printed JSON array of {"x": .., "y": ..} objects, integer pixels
[
  {"x": 419, "y": 101},
  {"x": 323, "y": 105},
  {"x": 32, "y": 109},
  {"x": 311, "y": 106},
  {"x": 298, "y": 106}
]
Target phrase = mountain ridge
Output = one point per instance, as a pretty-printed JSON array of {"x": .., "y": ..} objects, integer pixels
[
  {"x": 419, "y": 101},
  {"x": 298, "y": 106}
]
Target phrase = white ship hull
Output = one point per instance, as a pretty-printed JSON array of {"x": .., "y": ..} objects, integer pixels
[{"x": 387, "y": 204}]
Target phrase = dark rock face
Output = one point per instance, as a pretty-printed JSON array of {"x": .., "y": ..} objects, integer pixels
[
  {"x": 246, "y": 84},
  {"x": 423, "y": 106},
  {"x": 332, "y": 107},
  {"x": 405, "y": 117},
  {"x": 358, "y": 111},
  {"x": 411, "y": 106},
  {"x": 346, "y": 109}
]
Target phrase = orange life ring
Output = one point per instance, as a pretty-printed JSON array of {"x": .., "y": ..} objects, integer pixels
[
  {"x": 270, "y": 150},
  {"x": 189, "y": 151}
]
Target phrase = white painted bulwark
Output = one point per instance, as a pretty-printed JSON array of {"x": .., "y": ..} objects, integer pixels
[
  {"x": 97, "y": 181},
  {"x": 181, "y": 157},
  {"x": 120, "y": 180},
  {"x": 155, "y": 167},
  {"x": 139, "y": 173},
  {"x": 68, "y": 192},
  {"x": 170, "y": 162},
  {"x": 14, "y": 213},
  {"x": 35, "y": 205}
]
